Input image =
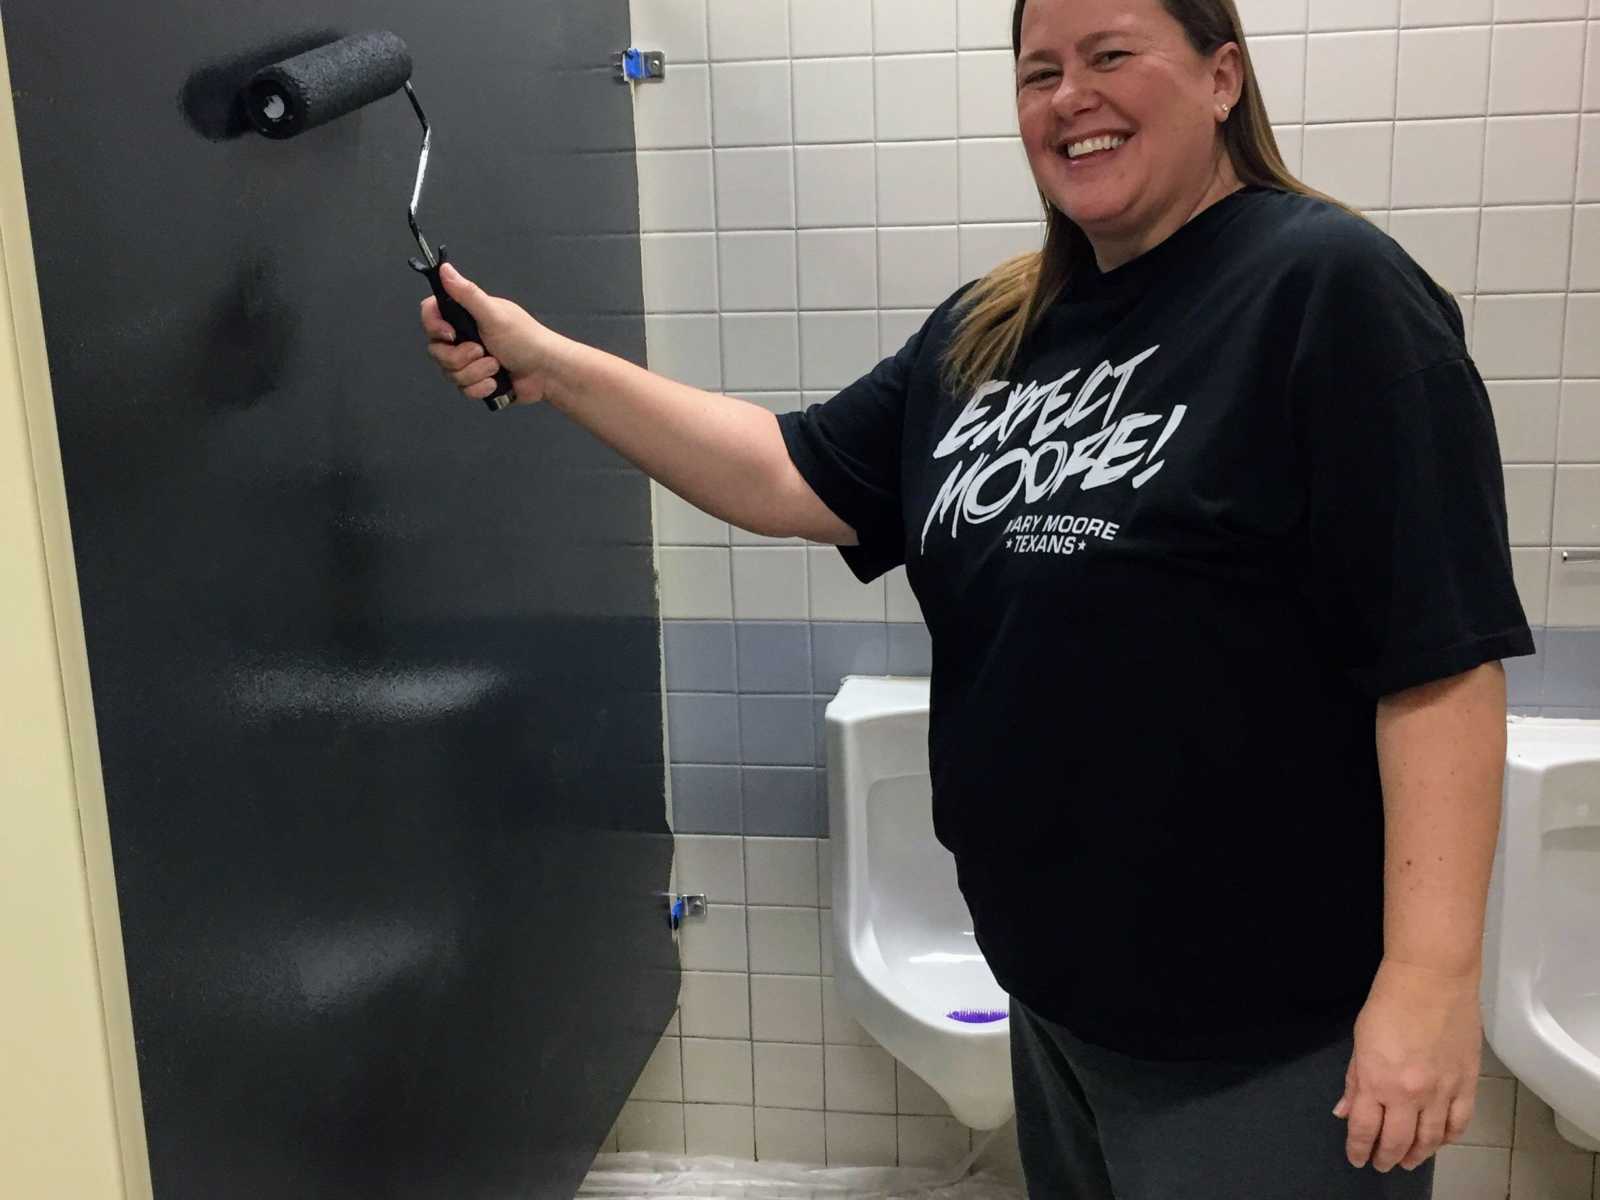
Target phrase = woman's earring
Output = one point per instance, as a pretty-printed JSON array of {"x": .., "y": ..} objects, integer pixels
[{"x": 1223, "y": 112}]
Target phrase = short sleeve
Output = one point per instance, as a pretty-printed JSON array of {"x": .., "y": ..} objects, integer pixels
[
  {"x": 849, "y": 450},
  {"x": 1406, "y": 555},
  {"x": 1405, "y": 558}
]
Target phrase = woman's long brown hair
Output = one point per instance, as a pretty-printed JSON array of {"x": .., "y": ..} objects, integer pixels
[{"x": 1004, "y": 306}]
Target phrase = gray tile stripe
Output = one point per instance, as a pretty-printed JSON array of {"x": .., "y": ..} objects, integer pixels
[{"x": 746, "y": 698}]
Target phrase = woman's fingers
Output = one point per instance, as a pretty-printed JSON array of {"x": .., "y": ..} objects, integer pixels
[
  {"x": 476, "y": 371},
  {"x": 435, "y": 326},
  {"x": 454, "y": 358}
]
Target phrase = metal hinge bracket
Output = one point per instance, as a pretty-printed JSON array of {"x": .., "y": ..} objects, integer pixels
[
  {"x": 638, "y": 66},
  {"x": 679, "y": 907}
]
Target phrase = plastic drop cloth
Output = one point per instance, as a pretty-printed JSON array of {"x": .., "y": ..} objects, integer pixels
[{"x": 642, "y": 1176}]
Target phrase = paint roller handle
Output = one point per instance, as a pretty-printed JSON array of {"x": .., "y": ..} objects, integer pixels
[{"x": 466, "y": 328}]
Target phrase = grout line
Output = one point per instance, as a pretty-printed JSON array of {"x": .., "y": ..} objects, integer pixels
[
  {"x": 1483, "y": 174},
  {"x": 1394, "y": 123}
]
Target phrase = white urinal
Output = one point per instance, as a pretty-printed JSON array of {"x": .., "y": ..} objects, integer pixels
[
  {"x": 1542, "y": 937},
  {"x": 904, "y": 956}
]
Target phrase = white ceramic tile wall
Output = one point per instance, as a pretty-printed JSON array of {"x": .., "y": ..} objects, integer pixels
[{"x": 815, "y": 175}]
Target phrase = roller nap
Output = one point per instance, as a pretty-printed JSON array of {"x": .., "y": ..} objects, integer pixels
[{"x": 324, "y": 84}]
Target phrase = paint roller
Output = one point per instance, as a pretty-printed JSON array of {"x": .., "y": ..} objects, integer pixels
[{"x": 321, "y": 85}]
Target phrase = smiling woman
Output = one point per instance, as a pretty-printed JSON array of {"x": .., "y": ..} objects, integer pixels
[
  {"x": 1136, "y": 115},
  {"x": 1186, "y": 498}
]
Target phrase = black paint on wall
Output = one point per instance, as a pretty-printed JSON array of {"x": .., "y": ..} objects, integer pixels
[{"x": 375, "y": 671}]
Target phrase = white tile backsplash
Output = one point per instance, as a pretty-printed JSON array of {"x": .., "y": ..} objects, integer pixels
[
  {"x": 986, "y": 100},
  {"x": 1350, "y": 76},
  {"x": 859, "y": 1079},
  {"x": 836, "y": 185},
  {"x": 781, "y": 870},
  {"x": 679, "y": 523},
  {"x": 748, "y": 29},
  {"x": 1582, "y": 357},
  {"x": 895, "y": 327},
  {"x": 1579, "y": 433},
  {"x": 918, "y": 266},
  {"x": 906, "y": 26},
  {"x": 1354, "y": 14},
  {"x": 1443, "y": 72},
  {"x": 725, "y": 1130},
  {"x": 836, "y": 594},
  {"x": 931, "y": 1141},
  {"x": 838, "y": 268},
  {"x": 717, "y": 1071},
  {"x": 680, "y": 272},
  {"x": 675, "y": 27},
  {"x": 1353, "y": 162},
  {"x": 824, "y": 28},
  {"x": 675, "y": 190},
  {"x": 675, "y": 117},
  {"x": 750, "y": 104},
  {"x": 1537, "y": 68},
  {"x": 716, "y": 942},
  {"x": 1525, "y": 417},
  {"x": 866, "y": 163},
  {"x": 1290, "y": 145},
  {"x": 1280, "y": 65},
  {"x": 1272, "y": 16},
  {"x": 1529, "y": 492},
  {"x": 790, "y": 1135},
  {"x": 836, "y": 349},
  {"x": 860, "y": 1139},
  {"x": 786, "y": 1008},
  {"x": 1415, "y": 13},
  {"x": 833, "y": 100},
  {"x": 984, "y": 247},
  {"x": 914, "y": 1096},
  {"x": 916, "y": 97},
  {"x": 1530, "y": 160},
  {"x": 1537, "y": 10},
  {"x": 1525, "y": 249},
  {"x": 662, "y": 1077},
  {"x": 1577, "y": 507},
  {"x": 769, "y": 583},
  {"x": 757, "y": 271},
  {"x": 686, "y": 348},
  {"x": 917, "y": 183},
  {"x": 996, "y": 183},
  {"x": 715, "y": 863},
  {"x": 656, "y": 1127},
  {"x": 755, "y": 188},
  {"x": 984, "y": 24},
  {"x": 1591, "y": 75},
  {"x": 761, "y": 351},
  {"x": 1589, "y": 157},
  {"x": 1443, "y": 240},
  {"x": 716, "y": 1004},
  {"x": 788, "y": 1075},
  {"x": 1519, "y": 337},
  {"x": 1437, "y": 164}
]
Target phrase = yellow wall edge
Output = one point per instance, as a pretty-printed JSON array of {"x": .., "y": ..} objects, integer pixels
[{"x": 71, "y": 1123}]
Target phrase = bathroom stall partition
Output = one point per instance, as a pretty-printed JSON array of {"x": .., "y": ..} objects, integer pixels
[{"x": 375, "y": 672}]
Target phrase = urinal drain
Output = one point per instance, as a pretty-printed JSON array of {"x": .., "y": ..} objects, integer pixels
[{"x": 977, "y": 1016}]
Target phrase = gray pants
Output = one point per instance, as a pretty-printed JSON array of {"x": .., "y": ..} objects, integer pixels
[{"x": 1097, "y": 1125}]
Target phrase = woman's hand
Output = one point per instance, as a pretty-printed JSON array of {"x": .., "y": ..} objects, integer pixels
[
  {"x": 511, "y": 339},
  {"x": 1413, "y": 1078}
]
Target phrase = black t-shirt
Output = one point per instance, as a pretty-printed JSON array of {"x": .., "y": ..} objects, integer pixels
[{"x": 1233, "y": 492}]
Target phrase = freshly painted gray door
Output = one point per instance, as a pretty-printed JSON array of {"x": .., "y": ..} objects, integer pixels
[{"x": 375, "y": 671}]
